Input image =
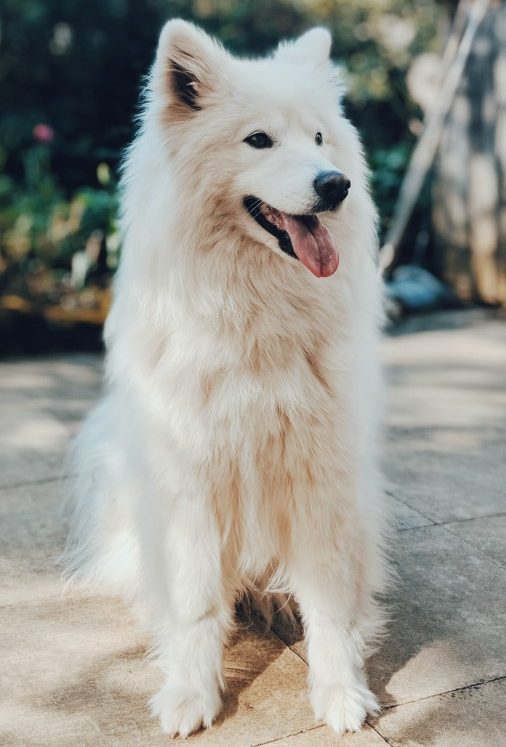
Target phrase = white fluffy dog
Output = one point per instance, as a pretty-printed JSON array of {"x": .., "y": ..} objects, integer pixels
[{"x": 234, "y": 447}]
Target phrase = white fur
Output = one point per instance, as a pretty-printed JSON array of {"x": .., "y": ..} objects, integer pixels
[{"x": 235, "y": 444}]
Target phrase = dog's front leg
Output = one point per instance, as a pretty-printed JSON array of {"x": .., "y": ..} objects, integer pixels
[
  {"x": 190, "y": 632},
  {"x": 326, "y": 584}
]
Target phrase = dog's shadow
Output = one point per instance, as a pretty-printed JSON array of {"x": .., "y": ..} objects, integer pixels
[
  {"x": 121, "y": 683},
  {"x": 109, "y": 692},
  {"x": 252, "y": 649},
  {"x": 381, "y": 666}
]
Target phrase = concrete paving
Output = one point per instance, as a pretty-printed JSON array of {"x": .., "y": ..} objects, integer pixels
[{"x": 73, "y": 668}]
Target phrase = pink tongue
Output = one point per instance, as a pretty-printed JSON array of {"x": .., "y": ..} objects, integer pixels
[{"x": 312, "y": 245}]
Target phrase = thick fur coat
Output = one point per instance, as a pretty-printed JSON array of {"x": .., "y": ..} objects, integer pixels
[{"x": 235, "y": 444}]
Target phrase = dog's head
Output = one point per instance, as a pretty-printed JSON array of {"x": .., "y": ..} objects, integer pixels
[{"x": 261, "y": 142}]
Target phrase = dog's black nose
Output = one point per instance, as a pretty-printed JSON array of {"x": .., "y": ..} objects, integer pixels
[{"x": 332, "y": 187}]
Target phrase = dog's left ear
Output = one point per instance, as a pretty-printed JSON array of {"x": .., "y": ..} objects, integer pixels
[
  {"x": 186, "y": 66},
  {"x": 313, "y": 47}
]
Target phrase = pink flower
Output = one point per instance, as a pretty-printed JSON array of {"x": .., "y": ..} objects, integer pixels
[{"x": 43, "y": 133}]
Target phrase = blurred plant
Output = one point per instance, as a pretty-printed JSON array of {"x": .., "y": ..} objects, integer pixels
[
  {"x": 70, "y": 74},
  {"x": 387, "y": 167},
  {"x": 43, "y": 133},
  {"x": 40, "y": 228}
]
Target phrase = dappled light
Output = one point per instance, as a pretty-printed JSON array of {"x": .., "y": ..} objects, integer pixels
[{"x": 226, "y": 473}]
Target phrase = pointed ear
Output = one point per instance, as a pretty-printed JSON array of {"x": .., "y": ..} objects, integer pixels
[
  {"x": 185, "y": 65},
  {"x": 313, "y": 47}
]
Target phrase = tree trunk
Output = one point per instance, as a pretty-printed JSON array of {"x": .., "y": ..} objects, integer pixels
[{"x": 469, "y": 188}]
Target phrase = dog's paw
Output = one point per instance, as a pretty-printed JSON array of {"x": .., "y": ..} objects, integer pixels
[
  {"x": 344, "y": 706},
  {"x": 183, "y": 710}
]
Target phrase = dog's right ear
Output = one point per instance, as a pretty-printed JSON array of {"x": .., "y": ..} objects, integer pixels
[{"x": 185, "y": 66}]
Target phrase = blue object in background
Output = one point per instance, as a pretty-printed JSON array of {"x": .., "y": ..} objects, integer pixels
[{"x": 417, "y": 289}]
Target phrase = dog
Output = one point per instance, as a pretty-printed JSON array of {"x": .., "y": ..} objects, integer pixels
[{"x": 235, "y": 445}]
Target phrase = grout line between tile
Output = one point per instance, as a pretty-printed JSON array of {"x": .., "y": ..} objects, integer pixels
[
  {"x": 288, "y": 736},
  {"x": 451, "y": 521},
  {"x": 472, "y": 518},
  {"x": 290, "y": 647},
  {"x": 475, "y": 547},
  {"x": 41, "y": 481},
  {"x": 393, "y": 495},
  {"x": 446, "y": 692},
  {"x": 421, "y": 526},
  {"x": 378, "y": 733},
  {"x": 311, "y": 729},
  {"x": 318, "y": 726},
  {"x": 444, "y": 524}
]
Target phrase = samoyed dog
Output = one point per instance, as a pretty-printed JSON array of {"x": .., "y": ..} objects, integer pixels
[{"x": 234, "y": 449}]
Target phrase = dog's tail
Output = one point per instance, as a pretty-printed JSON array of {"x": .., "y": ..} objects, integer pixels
[{"x": 102, "y": 549}]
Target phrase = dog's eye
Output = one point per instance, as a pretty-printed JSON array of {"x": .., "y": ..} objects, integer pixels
[
  {"x": 318, "y": 138},
  {"x": 259, "y": 140}
]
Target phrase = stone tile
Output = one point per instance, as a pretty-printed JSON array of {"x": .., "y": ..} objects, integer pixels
[
  {"x": 488, "y": 534},
  {"x": 449, "y": 487},
  {"x": 68, "y": 660},
  {"x": 79, "y": 386},
  {"x": 75, "y": 673},
  {"x": 32, "y": 534},
  {"x": 64, "y": 387},
  {"x": 474, "y": 717},
  {"x": 51, "y": 377},
  {"x": 267, "y": 696},
  {"x": 31, "y": 521},
  {"x": 82, "y": 677},
  {"x": 406, "y": 517},
  {"x": 449, "y": 320},
  {"x": 446, "y": 416},
  {"x": 323, "y": 736},
  {"x": 447, "y": 619},
  {"x": 27, "y": 582},
  {"x": 33, "y": 443},
  {"x": 74, "y": 667},
  {"x": 43, "y": 403}
]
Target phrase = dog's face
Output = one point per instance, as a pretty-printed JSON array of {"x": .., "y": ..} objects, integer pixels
[{"x": 262, "y": 141}]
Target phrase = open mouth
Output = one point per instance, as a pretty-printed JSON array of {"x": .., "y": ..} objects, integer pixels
[{"x": 303, "y": 237}]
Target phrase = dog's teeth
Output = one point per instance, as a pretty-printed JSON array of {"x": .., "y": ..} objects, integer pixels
[{"x": 271, "y": 214}]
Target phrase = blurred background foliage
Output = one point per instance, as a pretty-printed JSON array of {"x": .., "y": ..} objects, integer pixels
[{"x": 70, "y": 73}]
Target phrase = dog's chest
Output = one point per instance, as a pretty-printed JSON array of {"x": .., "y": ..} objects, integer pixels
[
  {"x": 268, "y": 453},
  {"x": 266, "y": 381},
  {"x": 274, "y": 409},
  {"x": 261, "y": 393},
  {"x": 255, "y": 419}
]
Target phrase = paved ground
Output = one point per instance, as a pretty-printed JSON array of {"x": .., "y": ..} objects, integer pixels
[{"x": 72, "y": 670}]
